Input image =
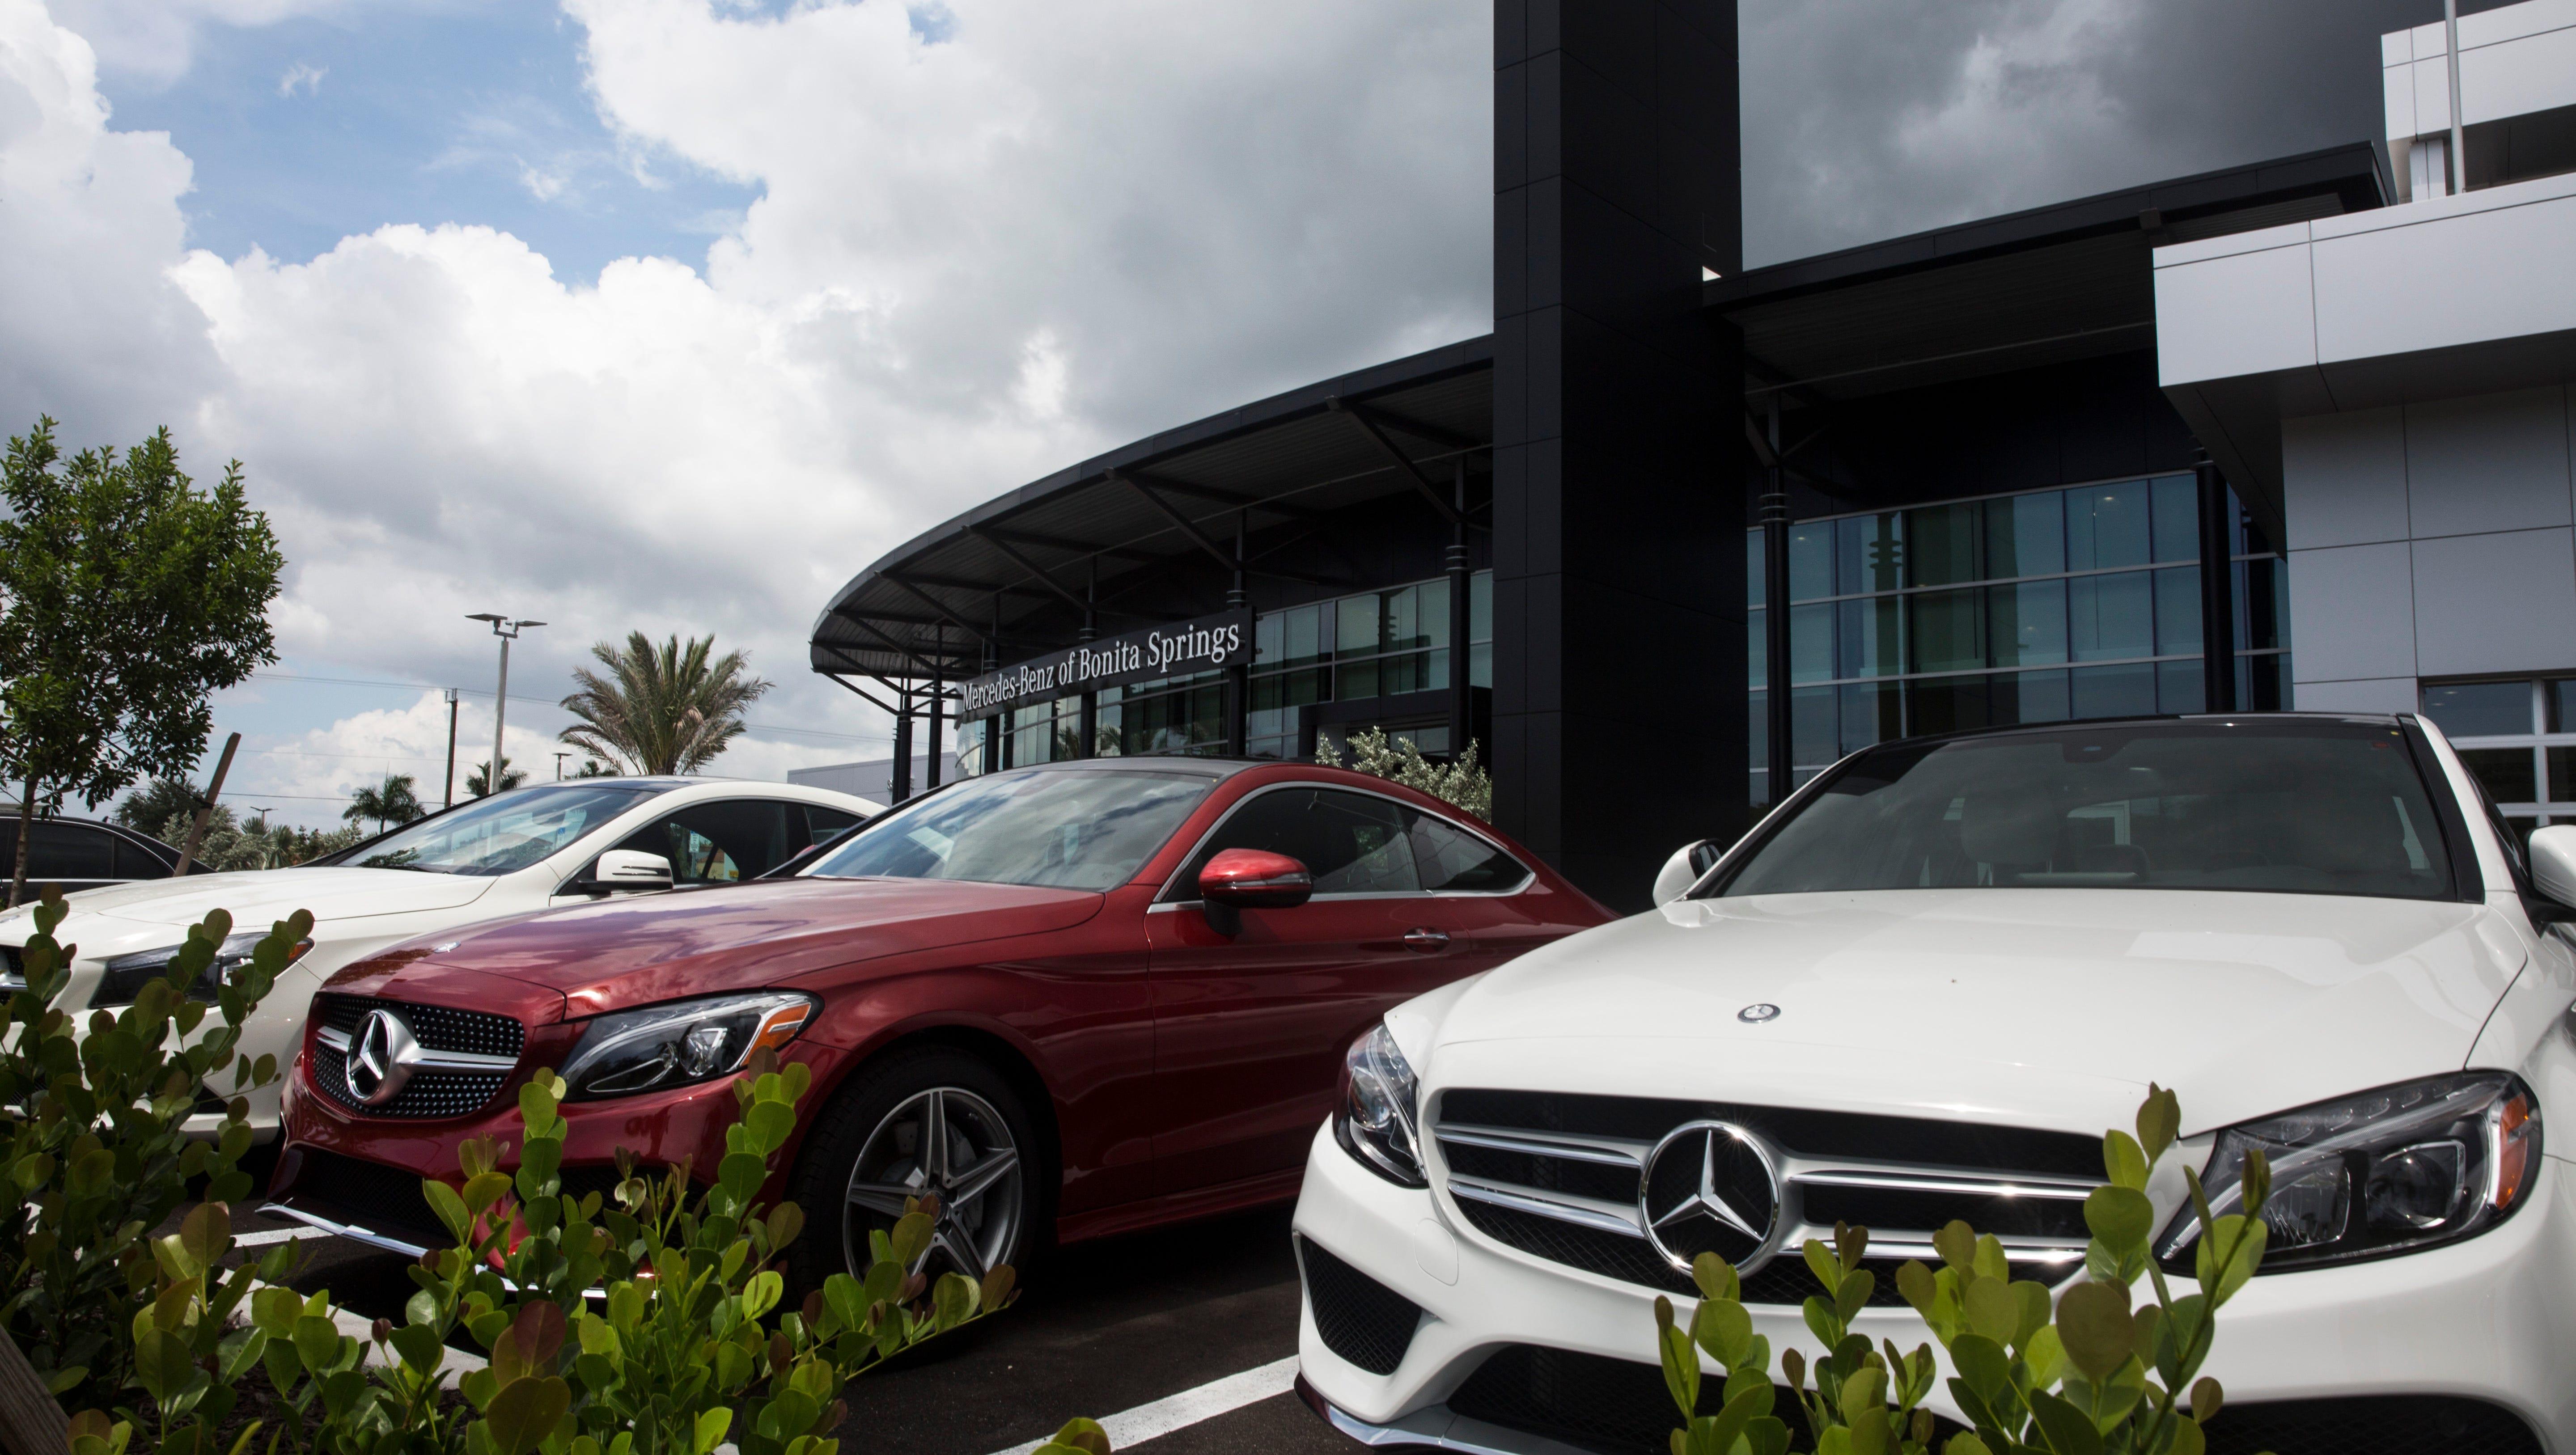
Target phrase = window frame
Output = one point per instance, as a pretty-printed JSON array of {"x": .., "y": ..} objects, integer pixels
[{"x": 1164, "y": 899}]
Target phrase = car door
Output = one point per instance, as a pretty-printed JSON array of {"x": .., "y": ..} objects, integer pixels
[
  {"x": 1249, "y": 1029},
  {"x": 1479, "y": 889}
]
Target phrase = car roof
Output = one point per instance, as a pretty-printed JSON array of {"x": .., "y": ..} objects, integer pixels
[{"x": 2169, "y": 719}]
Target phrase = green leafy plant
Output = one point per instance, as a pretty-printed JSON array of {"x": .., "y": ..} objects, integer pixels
[
  {"x": 2088, "y": 1372},
  {"x": 1459, "y": 783},
  {"x": 95, "y": 1149}
]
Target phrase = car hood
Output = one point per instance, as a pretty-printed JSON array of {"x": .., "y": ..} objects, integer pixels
[
  {"x": 2046, "y": 1007},
  {"x": 635, "y": 950},
  {"x": 257, "y": 898}
]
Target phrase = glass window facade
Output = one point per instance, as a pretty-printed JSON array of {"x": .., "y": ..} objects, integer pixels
[
  {"x": 2037, "y": 607},
  {"x": 1369, "y": 645},
  {"x": 2518, "y": 739}
]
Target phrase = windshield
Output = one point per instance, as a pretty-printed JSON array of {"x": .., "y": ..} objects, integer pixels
[
  {"x": 1079, "y": 830},
  {"x": 2287, "y": 805},
  {"x": 504, "y": 832}
]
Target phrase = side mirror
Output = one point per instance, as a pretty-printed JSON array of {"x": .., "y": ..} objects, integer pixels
[
  {"x": 2553, "y": 868},
  {"x": 1683, "y": 870},
  {"x": 624, "y": 871},
  {"x": 1240, "y": 879}
]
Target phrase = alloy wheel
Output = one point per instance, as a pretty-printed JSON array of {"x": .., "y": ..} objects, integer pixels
[{"x": 951, "y": 1144}]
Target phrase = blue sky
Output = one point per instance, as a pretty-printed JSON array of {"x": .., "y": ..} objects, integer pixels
[{"x": 312, "y": 129}]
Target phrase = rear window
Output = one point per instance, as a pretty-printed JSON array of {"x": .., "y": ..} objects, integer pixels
[{"x": 2279, "y": 805}]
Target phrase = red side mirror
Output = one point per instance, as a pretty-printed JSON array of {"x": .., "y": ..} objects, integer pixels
[{"x": 1255, "y": 879}]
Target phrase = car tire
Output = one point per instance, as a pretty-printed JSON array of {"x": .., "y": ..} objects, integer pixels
[{"x": 863, "y": 1159}]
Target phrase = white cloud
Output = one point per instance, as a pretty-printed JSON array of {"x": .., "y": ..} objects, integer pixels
[
  {"x": 307, "y": 78},
  {"x": 975, "y": 259},
  {"x": 156, "y": 39}
]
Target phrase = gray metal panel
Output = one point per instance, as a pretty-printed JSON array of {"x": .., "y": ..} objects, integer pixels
[
  {"x": 2378, "y": 694},
  {"x": 2352, "y": 613},
  {"x": 2345, "y": 478},
  {"x": 2491, "y": 463},
  {"x": 2489, "y": 603}
]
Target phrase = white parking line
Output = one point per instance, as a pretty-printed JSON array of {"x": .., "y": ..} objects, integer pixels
[{"x": 1179, "y": 1411}]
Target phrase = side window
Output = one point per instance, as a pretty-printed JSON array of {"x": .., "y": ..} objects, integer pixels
[
  {"x": 71, "y": 851},
  {"x": 718, "y": 843},
  {"x": 1452, "y": 859},
  {"x": 1350, "y": 842},
  {"x": 821, "y": 824},
  {"x": 133, "y": 861}
]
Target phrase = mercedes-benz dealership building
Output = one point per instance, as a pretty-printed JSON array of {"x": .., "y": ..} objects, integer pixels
[{"x": 1677, "y": 534}]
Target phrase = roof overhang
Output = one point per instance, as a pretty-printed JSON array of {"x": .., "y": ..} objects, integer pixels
[{"x": 1019, "y": 570}]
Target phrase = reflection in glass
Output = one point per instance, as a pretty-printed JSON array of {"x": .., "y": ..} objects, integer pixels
[
  {"x": 1757, "y": 648},
  {"x": 2262, "y": 604},
  {"x": 1811, "y": 643},
  {"x": 1947, "y": 630},
  {"x": 1753, "y": 566},
  {"x": 2026, "y": 623},
  {"x": 1869, "y": 715},
  {"x": 2125, "y": 691},
  {"x": 1811, "y": 726},
  {"x": 1871, "y": 644},
  {"x": 1942, "y": 544},
  {"x": 2026, "y": 535},
  {"x": 2032, "y": 697},
  {"x": 1811, "y": 560},
  {"x": 2109, "y": 617},
  {"x": 1946, "y": 704},
  {"x": 2181, "y": 686},
  {"x": 2177, "y": 517},
  {"x": 1869, "y": 554},
  {"x": 2510, "y": 774},
  {"x": 2479, "y": 709},
  {"x": 2106, "y": 526},
  {"x": 2178, "y": 611}
]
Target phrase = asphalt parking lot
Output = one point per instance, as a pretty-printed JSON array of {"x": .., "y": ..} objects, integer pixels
[{"x": 1105, "y": 1328}]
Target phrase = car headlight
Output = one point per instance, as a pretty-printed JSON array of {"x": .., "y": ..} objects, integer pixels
[
  {"x": 1375, "y": 1119},
  {"x": 657, "y": 1047},
  {"x": 128, "y": 974},
  {"x": 2387, "y": 1171}
]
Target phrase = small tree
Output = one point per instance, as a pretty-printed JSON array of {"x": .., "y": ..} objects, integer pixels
[
  {"x": 127, "y": 597},
  {"x": 665, "y": 709},
  {"x": 1460, "y": 784},
  {"x": 390, "y": 802},
  {"x": 510, "y": 777}
]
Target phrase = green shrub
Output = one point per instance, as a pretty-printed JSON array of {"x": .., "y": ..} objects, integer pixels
[
  {"x": 688, "y": 1349},
  {"x": 1460, "y": 784},
  {"x": 95, "y": 1152},
  {"x": 2091, "y": 1376}
]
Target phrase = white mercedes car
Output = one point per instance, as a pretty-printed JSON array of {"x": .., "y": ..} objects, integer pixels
[
  {"x": 524, "y": 850},
  {"x": 1921, "y": 990}
]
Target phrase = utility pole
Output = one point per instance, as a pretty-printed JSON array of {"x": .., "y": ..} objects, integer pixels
[
  {"x": 559, "y": 757},
  {"x": 447, "y": 791},
  {"x": 508, "y": 631},
  {"x": 206, "y": 810}
]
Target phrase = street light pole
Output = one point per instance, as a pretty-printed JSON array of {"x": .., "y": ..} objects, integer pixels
[{"x": 508, "y": 631}]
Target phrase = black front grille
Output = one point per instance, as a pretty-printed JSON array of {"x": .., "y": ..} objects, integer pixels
[
  {"x": 2385, "y": 1424},
  {"x": 431, "y": 1092},
  {"x": 1879, "y": 1143},
  {"x": 1857, "y": 1135},
  {"x": 369, "y": 1195},
  {"x": 1360, "y": 1319}
]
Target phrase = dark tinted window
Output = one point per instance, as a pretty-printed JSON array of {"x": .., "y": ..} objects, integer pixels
[
  {"x": 72, "y": 851},
  {"x": 822, "y": 823},
  {"x": 719, "y": 843},
  {"x": 134, "y": 861},
  {"x": 2285, "y": 805},
  {"x": 1450, "y": 858},
  {"x": 1352, "y": 843}
]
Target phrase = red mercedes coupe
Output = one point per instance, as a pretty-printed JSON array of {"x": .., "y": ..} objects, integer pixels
[{"x": 1070, "y": 1000}]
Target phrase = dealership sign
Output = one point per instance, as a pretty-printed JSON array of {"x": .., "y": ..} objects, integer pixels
[{"x": 1178, "y": 650}]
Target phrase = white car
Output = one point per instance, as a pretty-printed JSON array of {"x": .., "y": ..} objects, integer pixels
[
  {"x": 524, "y": 850},
  {"x": 1921, "y": 990}
]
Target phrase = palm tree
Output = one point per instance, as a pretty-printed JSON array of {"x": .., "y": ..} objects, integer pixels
[
  {"x": 510, "y": 777},
  {"x": 665, "y": 709},
  {"x": 390, "y": 802}
]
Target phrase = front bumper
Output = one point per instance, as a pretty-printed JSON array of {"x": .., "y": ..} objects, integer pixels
[
  {"x": 2487, "y": 1319},
  {"x": 359, "y": 1176}
]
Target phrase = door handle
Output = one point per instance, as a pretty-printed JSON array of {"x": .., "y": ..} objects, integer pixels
[{"x": 1426, "y": 941}]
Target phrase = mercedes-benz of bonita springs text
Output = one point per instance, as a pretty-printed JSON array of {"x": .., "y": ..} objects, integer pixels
[{"x": 1197, "y": 646}]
